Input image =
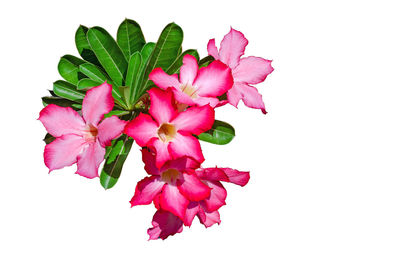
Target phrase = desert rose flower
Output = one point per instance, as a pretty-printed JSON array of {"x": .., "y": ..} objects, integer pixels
[
  {"x": 164, "y": 224},
  {"x": 245, "y": 71},
  {"x": 169, "y": 132},
  {"x": 196, "y": 86},
  {"x": 81, "y": 139}
]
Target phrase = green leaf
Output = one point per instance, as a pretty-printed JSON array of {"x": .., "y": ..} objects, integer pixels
[
  {"x": 174, "y": 68},
  {"x": 146, "y": 51},
  {"x": 86, "y": 84},
  {"x": 114, "y": 161},
  {"x": 67, "y": 90},
  {"x": 83, "y": 46},
  {"x": 221, "y": 133},
  {"x": 108, "y": 53},
  {"x": 116, "y": 113},
  {"x": 130, "y": 37},
  {"x": 59, "y": 101},
  {"x": 205, "y": 61},
  {"x": 68, "y": 67},
  {"x": 135, "y": 62}
]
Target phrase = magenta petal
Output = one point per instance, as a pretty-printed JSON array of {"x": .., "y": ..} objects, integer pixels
[
  {"x": 146, "y": 190},
  {"x": 97, "y": 102},
  {"x": 249, "y": 95},
  {"x": 161, "y": 107},
  {"x": 186, "y": 145},
  {"x": 192, "y": 188},
  {"x": 90, "y": 159},
  {"x": 232, "y": 48},
  {"x": 252, "y": 70},
  {"x": 212, "y": 49},
  {"x": 162, "y": 152},
  {"x": 149, "y": 159},
  {"x": 163, "y": 80},
  {"x": 188, "y": 71},
  {"x": 109, "y": 129},
  {"x": 172, "y": 200},
  {"x": 191, "y": 212},
  {"x": 209, "y": 218},
  {"x": 182, "y": 164},
  {"x": 195, "y": 120},
  {"x": 164, "y": 224},
  {"x": 183, "y": 98},
  {"x": 63, "y": 151},
  {"x": 212, "y": 174},
  {"x": 214, "y": 80},
  {"x": 61, "y": 120},
  {"x": 142, "y": 129},
  {"x": 236, "y": 177},
  {"x": 217, "y": 196}
]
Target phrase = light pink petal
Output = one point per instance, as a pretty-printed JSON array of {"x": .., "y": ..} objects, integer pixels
[
  {"x": 163, "y": 80},
  {"x": 236, "y": 177},
  {"x": 97, "y": 102},
  {"x": 188, "y": 71},
  {"x": 61, "y": 120},
  {"x": 186, "y": 145},
  {"x": 217, "y": 196},
  {"x": 63, "y": 151},
  {"x": 248, "y": 94},
  {"x": 142, "y": 129},
  {"x": 183, "y": 98},
  {"x": 172, "y": 200},
  {"x": 109, "y": 129},
  {"x": 149, "y": 159},
  {"x": 146, "y": 190},
  {"x": 252, "y": 70},
  {"x": 212, "y": 101},
  {"x": 191, "y": 212},
  {"x": 195, "y": 120},
  {"x": 161, "y": 106},
  {"x": 165, "y": 224},
  {"x": 209, "y": 218},
  {"x": 162, "y": 152},
  {"x": 183, "y": 164},
  {"x": 214, "y": 80},
  {"x": 192, "y": 188},
  {"x": 232, "y": 48},
  {"x": 212, "y": 49},
  {"x": 90, "y": 159}
]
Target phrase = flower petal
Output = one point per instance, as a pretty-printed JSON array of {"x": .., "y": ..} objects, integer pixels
[
  {"x": 192, "y": 188},
  {"x": 183, "y": 98},
  {"x": 164, "y": 224},
  {"x": 97, "y": 102},
  {"x": 209, "y": 218},
  {"x": 109, "y": 129},
  {"x": 252, "y": 70},
  {"x": 186, "y": 145},
  {"x": 214, "y": 80},
  {"x": 161, "y": 106},
  {"x": 188, "y": 71},
  {"x": 142, "y": 129},
  {"x": 149, "y": 159},
  {"x": 224, "y": 175},
  {"x": 191, "y": 212},
  {"x": 63, "y": 151},
  {"x": 212, "y": 101},
  {"x": 236, "y": 177},
  {"x": 90, "y": 159},
  {"x": 182, "y": 164},
  {"x": 212, "y": 49},
  {"x": 146, "y": 190},
  {"x": 172, "y": 200},
  {"x": 163, "y": 80},
  {"x": 61, "y": 120},
  {"x": 217, "y": 196},
  {"x": 162, "y": 152},
  {"x": 232, "y": 48},
  {"x": 248, "y": 94},
  {"x": 195, "y": 120}
]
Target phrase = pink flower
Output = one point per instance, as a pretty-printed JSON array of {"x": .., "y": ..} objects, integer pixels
[
  {"x": 194, "y": 86},
  {"x": 81, "y": 140},
  {"x": 164, "y": 224},
  {"x": 169, "y": 132},
  {"x": 172, "y": 187},
  {"x": 245, "y": 71}
]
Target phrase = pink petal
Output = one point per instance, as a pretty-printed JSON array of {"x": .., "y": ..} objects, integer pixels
[
  {"x": 90, "y": 159},
  {"x": 186, "y": 145},
  {"x": 162, "y": 152},
  {"x": 63, "y": 151},
  {"x": 183, "y": 164},
  {"x": 142, "y": 129},
  {"x": 164, "y": 224},
  {"x": 188, "y": 71},
  {"x": 191, "y": 212},
  {"x": 146, "y": 190},
  {"x": 224, "y": 174},
  {"x": 149, "y": 159},
  {"x": 161, "y": 106},
  {"x": 192, "y": 188},
  {"x": 212, "y": 49},
  {"x": 236, "y": 177},
  {"x": 214, "y": 80},
  {"x": 163, "y": 80},
  {"x": 109, "y": 129},
  {"x": 252, "y": 70},
  {"x": 195, "y": 120},
  {"x": 209, "y": 218},
  {"x": 172, "y": 200},
  {"x": 232, "y": 48},
  {"x": 183, "y": 98},
  {"x": 97, "y": 102},
  {"x": 248, "y": 94},
  {"x": 217, "y": 196},
  {"x": 202, "y": 101},
  {"x": 61, "y": 120}
]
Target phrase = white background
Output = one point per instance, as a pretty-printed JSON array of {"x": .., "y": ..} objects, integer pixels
[{"x": 324, "y": 162}]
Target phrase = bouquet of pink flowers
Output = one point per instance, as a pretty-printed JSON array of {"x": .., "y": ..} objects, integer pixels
[{"x": 164, "y": 99}]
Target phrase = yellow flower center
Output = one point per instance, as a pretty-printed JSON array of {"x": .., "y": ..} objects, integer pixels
[
  {"x": 170, "y": 175},
  {"x": 189, "y": 90},
  {"x": 166, "y": 132}
]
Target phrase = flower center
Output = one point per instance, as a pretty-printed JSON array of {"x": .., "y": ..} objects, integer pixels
[
  {"x": 166, "y": 132},
  {"x": 170, "y": 175},
  {"x": 189, "y": 90},
  {"x": 91, "y": 133}
]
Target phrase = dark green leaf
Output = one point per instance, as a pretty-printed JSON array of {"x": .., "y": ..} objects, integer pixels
[
  {"x": 130, "y": 37},
  {"x": 174, "y": 68},
  {"x": 86, "y": 84},
  {"x": 83, "y": 46},
  {"x": 116, "y": 113},
  {"x": 67, "y": 90},
  {"x": 135, "y": 62},
  {"x": 48, "y": 138},
  {"x": 59, "y": 101},
  {"x": 221, "y": 133},
  {"x": 68, "y": 67},
  {"x": 205, "y": 61}
]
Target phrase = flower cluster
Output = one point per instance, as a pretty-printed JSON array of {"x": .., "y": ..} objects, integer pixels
[{"x": 181, "y": 107}]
